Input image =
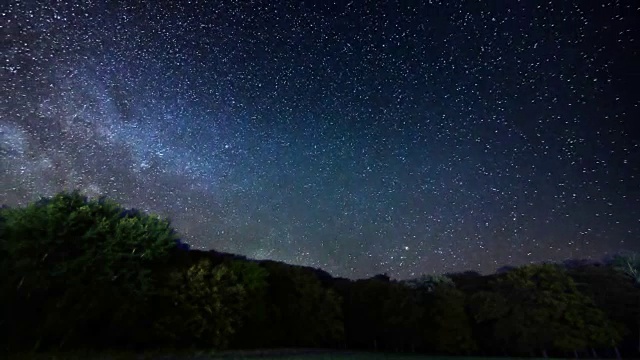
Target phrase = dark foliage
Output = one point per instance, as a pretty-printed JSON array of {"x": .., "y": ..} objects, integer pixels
[{"x": 82, "y": 273}]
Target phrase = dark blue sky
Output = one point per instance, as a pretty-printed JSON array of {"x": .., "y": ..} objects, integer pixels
[{"x": 361, "y": 137}]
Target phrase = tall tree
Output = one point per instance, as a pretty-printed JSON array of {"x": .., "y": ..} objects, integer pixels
[
  {"x": 538, "y": 307},
  {"x": 383, "y": 315},
  {"x": 254, "y": 321},
  {"x": 629, "y": 264},
  {"x": 615, "y": 293},
  {"x": 301, "y": 311},
  {"x": 450, "y": 327},
  {"x": 208, "y": 303},
  {"x": 74, "y": 264}
]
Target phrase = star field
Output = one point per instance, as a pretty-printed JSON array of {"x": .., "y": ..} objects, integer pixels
[{"x": 360, "y": 137}]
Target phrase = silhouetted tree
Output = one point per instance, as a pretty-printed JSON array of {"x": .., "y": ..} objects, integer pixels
[
  {"x": 301, "y": 311},
  {"x": 382, "y": 315},
  {"x": 614, "y": 293},
  {"x": 254, "y": 317},
  {"x": 538, "y": 307},
  {"x": 629, "y": 264},
  {"x": 450, "y": 327},
  {"x": 79, "y": 271},
  {"x": 88, "y": 273},
  {"x": 208, "y": 302}
]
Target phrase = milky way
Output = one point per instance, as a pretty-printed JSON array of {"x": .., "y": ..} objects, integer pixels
[{"x": 405, "y": 137}]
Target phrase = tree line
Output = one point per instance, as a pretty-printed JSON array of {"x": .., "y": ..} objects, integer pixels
[{"x": 87, "y": 273}]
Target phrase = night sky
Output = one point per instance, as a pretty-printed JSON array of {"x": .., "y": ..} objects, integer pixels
[{"x": 360, "y": 137}]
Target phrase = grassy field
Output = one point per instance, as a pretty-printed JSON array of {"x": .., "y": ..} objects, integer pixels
[{"x": 237, "y": 355}]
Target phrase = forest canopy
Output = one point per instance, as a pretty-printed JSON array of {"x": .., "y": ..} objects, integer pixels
[{"x": 88, "y": 273}]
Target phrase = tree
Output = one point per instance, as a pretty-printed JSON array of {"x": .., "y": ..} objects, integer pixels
[
  {"x": 628, "y": 264},
  {"x": 255, "y": 312},
  {"x": 428, "y": 283},
  {"x": 381, "y": 314},
  {"x": 539, "y": 307},
  {"x": 470, "y": 282},
  {"x": 301, "y": 311},
  {"x": 75, "y": 266},
  {"x": 492, "y": 331},
  {"x": 208, "y": 303},
  {"x": 450, "y": 327},
  {"x": 615, "y": 293}
]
